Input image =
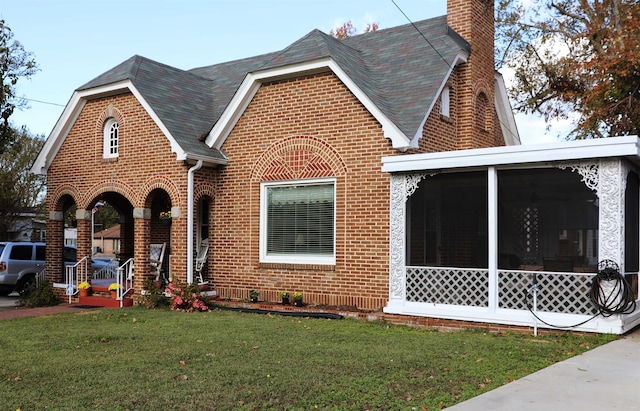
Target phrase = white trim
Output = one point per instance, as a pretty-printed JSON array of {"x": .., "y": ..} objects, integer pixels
[
  {"x": 75, "y": 106},
  {"x": 459, "y": 59},
  {"x": 445, "y": 102},
  {"x": 505, "y": 113},
  {"x": 107, "y": 138},
  {"x": 611, "y": 325},
  {"x": 288, "y": 258},
  {"x": 253, "y": 81},
  {"x": 628, "y": 146}
]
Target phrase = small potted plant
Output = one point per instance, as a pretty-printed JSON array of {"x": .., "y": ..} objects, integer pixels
[
  {"x": 285, "y": 297},
  {"x": 297, "y": 299},
  {"x": 114, "y": 287},
  {"x": 84, "y": 288},
  {"x": 253, "y": 296}
]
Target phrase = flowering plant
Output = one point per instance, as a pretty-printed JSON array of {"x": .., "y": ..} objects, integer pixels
[
  {"x": 186, "y": 298},
  {"x": 284, "y": 294},
  {"x": 114, "y": 287},
  {"x": 165, "y": 215},
  {"x": 84, "y": 286},
  {"x": 297, "y": 296}
]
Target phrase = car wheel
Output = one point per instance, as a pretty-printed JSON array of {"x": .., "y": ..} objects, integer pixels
[{"x": 26, "y": 283}]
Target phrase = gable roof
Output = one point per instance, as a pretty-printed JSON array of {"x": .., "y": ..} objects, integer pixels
[
  {"x": 182, "y": 101},
  {"x": 397, "y": 74}
]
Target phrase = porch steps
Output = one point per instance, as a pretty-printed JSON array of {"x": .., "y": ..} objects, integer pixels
[
  {"x": 108, "y": 302},
  {"x": 101, "y": 297}
]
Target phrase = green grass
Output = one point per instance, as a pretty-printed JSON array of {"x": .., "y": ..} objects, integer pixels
[{"x": 137, "y": 359}]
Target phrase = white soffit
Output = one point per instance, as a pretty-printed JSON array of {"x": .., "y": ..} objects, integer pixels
[{"x": 628, "y": 146}]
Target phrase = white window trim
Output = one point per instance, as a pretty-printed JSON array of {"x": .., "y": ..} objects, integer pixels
[
  {"x": 445, "y": 102},
  {"x": 106, "y": 140},
  {"x": 287, "y": 258}
]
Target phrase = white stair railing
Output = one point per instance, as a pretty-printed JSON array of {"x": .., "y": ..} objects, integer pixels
[
  {"x": 76, "y": 274},
  {"x": 124, "y": 279}
]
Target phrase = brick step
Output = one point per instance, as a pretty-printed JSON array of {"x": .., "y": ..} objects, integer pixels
[{"x": 99, "y": 301}]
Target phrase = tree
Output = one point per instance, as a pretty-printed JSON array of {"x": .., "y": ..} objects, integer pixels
[
  {"x": 19, "y": 188},
  {"x": 347, "y": 30},
  {"x": 15, "y": 63},
  {"x": 574, "y": 57}
]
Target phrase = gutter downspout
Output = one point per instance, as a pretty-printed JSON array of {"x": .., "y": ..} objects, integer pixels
[{"x": 190, "y": 215}]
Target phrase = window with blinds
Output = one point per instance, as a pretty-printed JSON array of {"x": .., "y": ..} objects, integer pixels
[{"x": 298, "y": 222}]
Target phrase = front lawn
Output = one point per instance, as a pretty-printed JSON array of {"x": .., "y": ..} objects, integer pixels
[{"x": 137, "y": 359}]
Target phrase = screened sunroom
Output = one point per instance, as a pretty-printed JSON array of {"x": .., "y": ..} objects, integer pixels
[{"x": 515, "y": 235}]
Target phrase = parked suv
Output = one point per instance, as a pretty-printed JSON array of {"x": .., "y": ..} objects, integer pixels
[{"x": 20, "y": 262}]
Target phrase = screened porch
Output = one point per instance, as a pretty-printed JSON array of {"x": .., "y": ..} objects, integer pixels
[{"x": 511, "y": 243}]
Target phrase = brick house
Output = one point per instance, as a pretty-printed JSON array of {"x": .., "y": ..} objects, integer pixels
[{"x": 284, "y": 161}]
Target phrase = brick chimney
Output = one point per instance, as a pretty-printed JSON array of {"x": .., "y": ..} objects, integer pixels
[{"x": 474, "y": 21}]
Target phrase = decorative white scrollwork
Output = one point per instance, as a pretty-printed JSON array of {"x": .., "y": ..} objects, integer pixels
[
  {"x": 588, "y": 171},
  {"x": 611, "y": 197},
  {"x": 607, "y": 178},
  {"x": 402, "y": 187}
]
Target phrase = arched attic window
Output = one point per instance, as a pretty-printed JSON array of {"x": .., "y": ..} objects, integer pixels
[
  {"x": 110, "y": 139},
  {"x": 482, "y": 111}
]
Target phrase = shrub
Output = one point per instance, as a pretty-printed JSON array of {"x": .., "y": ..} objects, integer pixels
[
  {"x": 40, "y": 295},
  {"x": 186, "y": 297},
  {"x": 153, "y": 297}
]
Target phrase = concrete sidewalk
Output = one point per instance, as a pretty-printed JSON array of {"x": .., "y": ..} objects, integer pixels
[{"x": 605, "y": 378}]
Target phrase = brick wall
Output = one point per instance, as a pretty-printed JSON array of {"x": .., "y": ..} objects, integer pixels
[
  {"x": 474, "y": 21},
  {"x": 145, "y": 169},
  {"x": 306, "y": 127}
]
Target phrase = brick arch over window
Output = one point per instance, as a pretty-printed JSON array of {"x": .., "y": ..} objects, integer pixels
[
  {"x": 482, "y": 112},
  {"x": 203, "y": 189},
  {"x": 107, "y": 113},
  {"x": 163, "y": 183},
  {"x": 299, "y": 157},
  {"x": 108, "y": 186}
]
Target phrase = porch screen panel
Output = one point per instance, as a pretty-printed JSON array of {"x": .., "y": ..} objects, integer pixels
[
  {"x": 447, "y": 221},
  {"x": 300, "y": 219},
  {"x": 547, "y": 221}
]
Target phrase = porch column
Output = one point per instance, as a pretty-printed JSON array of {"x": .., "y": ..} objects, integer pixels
[
  {"x": 608, "y": 178},
  {"x": 55, "y": 243},
  {"x": 492, "y": 222},
  {"x": 402, "y": 187},
  {"x": 85, "y": 242},
  {"x": 612, "y": 179},
  {"x": 141, "y": 245}
]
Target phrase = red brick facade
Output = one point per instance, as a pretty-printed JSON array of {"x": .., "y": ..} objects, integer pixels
[
  {"x": 310, "y": 126},
  {"x": 145, "y": 176}
]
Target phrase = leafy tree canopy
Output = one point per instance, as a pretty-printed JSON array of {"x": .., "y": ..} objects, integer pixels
[
  {"x": 20, "y": 190},
  {"x": 347, "y": 30},
  {"x": 572, "y": 56},
  {"x": 15, "y": 63}
]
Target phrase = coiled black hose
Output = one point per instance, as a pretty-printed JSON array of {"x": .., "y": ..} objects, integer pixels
[{"x": 610, "y": 293}]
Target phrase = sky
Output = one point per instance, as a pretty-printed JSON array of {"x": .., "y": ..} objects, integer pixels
[{"x": 74, "y": 41}]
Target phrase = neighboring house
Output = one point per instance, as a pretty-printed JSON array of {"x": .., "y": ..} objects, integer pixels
[
  {"x": 71, "y": 236},
  {"x": 107, "y": 242},
  {"x": 28, "y": 225},
  {"x": 357, "y": 171}
]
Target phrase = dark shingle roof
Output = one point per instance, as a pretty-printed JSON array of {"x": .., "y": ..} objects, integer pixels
[
  {"x": 397, "y": 68},
  {"x": 183, "y": 101}
]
